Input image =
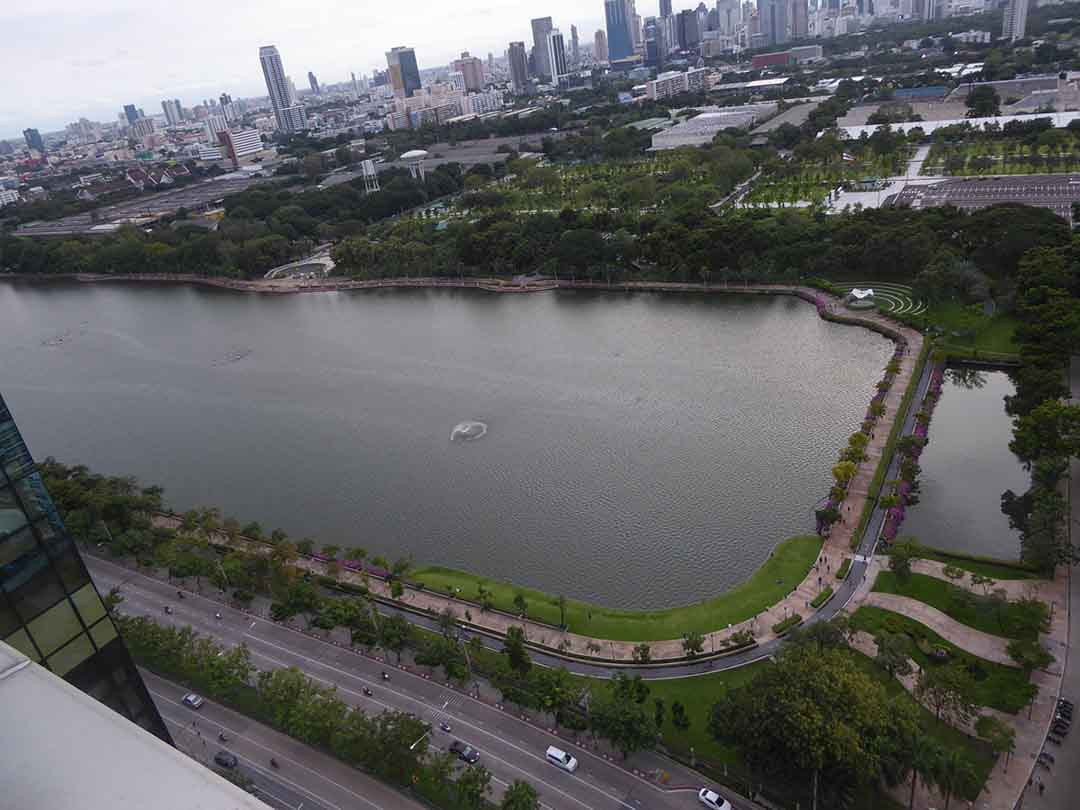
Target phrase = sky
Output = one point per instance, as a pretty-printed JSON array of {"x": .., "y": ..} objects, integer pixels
[{"x": 66, "y": 59}]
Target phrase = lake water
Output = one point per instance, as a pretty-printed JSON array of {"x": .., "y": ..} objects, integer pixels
[
  {"x": 641, "y": 450},
  {"x": 965, "y": 468}
]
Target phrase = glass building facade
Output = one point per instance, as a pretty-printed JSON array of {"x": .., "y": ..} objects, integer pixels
[{"x": 49, "y": 608}]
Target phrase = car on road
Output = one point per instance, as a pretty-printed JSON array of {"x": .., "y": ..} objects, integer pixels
[
  {"x": 225, "y": 759},
  {"x": 464, "y": 752},
  {"x": 561, "y": 759},
  {"x": 192, "y": 701},
  {"x": 713, "y": 800}
]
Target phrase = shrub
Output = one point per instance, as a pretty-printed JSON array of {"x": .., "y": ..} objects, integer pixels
[
  {"x": 822, "y": 597},
  {"x": 845, "y": 567},
  {"x": 793, "y": 620}
]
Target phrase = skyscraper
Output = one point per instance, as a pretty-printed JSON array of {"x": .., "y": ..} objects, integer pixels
[
  {"x": 665, "y": 8},
  {"x": 50, "y": 611},
  {"x": 471, "y": 69},
  {"x": 575, "y": 51},
  {"x": 1014, "y": 23},
  {"x": 290, "y": 117},
  {"x": 34, "y": 140},
  {"x": 600, "y": 50},
  {"x": 314, "y": 83},
  {"x": 131, "y": 114},
  {"x": 772, "y": 17},
  {"x": 556, "y": 49},
  {"x": 655, "y": 46},
  {"x": 173, "y": 112},
  {"x": 620, "y": 39},
  {"x": 540, "y": 28},
  {"x": 799, "y": 17},
  {"x": 519, "y": 67},
  {"x": 688, "y": 29},
  {"x": 404, "y": 73}
]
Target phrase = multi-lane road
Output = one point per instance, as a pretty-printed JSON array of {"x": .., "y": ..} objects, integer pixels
[{"x": 510, "y": 747}]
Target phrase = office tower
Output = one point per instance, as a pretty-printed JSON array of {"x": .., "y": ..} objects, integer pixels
[
  {"x": 1014, "y": 23},
  {"x": 575, "y": 48},
  {"x": 772, "y": 19},
  {"x": 620, "y": 39},
  {"x": 171, "y": 108},
  {"x": 727, "y": 12},
  {"x": 655, "y": 46},
  {"x": 518, "y": 59},
  {"x": 404, "y": 73},
  {"x": 314, "y": 83},
  {"x": 34, "y": 140},
  {"x": 540, "y": 28},
  {"x": 471, "y": 69},
  {"x": 290, "y": 117},
  {"x": 355, "y": 84},
  {"x": 689, "y": 31},
  {"x": 225, "y": 100},
  {"x": 130, "y": 113},
  {"x": 600, "y": 50},
  {"x": 799, "y": 17},
  {"x": 50, "y": 611},
  {"x": 556, "y": 50},
  {"x": 665, "y": 8}
]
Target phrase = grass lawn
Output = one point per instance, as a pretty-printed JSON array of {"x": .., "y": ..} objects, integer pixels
[
  {"x": 781, "y": 573},
  {"x": 953, "y": 601},
  {"x": 987, "y": 567},
  {"x": 995, "y": 334},
  {"x": 997, "y": 686}
]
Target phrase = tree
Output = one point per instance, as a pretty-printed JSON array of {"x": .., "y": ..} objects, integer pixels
[
  {"x": 983, "y": 102},
  {"x": 473, "y": 787},
  {"x": 952, "y": 773},
  {"x": 844, "y": 472},
  {"x": 893, "y": 651},
  {"x": 313, "y": 166},
  {"x": 343, "y": 156},
  {"x": 658, "y": 712},
  {"x": 520, "y": 796},
  {"x": 395, "y": 632},
  {"x": 520, "y": 603},
  {"x": 911, "y": 754},
  {"x": 949, "y": 692},
  {"x": 642, "y": 653},
  {"x": 1002, "y": 737},
  {"x": 679, "y": 718},
  {"x": 1029, "y": 655},
  {"x": 693, "y": 643},
  {"x": 556, "y": 691},
  {"x": 900, "y": 556},
  {"x": 516, "y": 654},
  {"x": 619, "y": 713}
]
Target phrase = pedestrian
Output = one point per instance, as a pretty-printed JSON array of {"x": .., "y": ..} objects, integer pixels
[{"x": 1042, "y": 787}]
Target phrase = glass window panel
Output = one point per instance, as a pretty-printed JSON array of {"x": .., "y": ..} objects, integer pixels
[
  {"x": 21, "y": 642},
  {"x": 26, "y": 575},
  {"x": 68, "y": 564},
  {"x": 55, "y": 627},
  {"x": 71, "y": 655},
  {"x": 11, "y": 516},
  {"x": 14, "y": 456},
  {"x": 103, "y": 632},
  {"x": 35, "y": 500},
  {"x": 89, "y": 604}
]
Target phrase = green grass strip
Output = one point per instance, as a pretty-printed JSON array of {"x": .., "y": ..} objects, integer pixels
[
  {"x": 984, "y": 566},
  {"x": 953, "y": 601},
  {"x": 890, "y": 446},
  {"x": 791, "y": 621},
  {"x": 997, "y": 686},
  {"x": 844, "y": 569},
  {"x": 786, "y": 567},
  {"x": 822, "y": 597}
]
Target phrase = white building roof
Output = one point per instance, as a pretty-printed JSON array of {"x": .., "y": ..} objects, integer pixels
[
  {"x": 1057, "y": 120},
  {"x": 64, "y": 750}
]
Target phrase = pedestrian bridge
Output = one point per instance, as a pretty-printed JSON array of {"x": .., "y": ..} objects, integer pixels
[{"x": 320, "y": 264}]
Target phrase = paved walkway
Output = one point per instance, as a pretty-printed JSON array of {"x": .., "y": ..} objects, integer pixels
[
  {"x": 976, "y": 642},
  {"x": 1014, "y": 588},
  {"x": 836, "y": 548}
]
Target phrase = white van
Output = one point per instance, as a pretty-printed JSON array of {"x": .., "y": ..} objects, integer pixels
[{"x": 562, "y": 759}]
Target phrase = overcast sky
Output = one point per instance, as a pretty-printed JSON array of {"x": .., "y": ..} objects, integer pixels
[{"x": 63, "y": 59}]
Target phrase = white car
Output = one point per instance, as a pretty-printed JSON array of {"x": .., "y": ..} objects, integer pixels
[
  {"x": 713, "y": 800},
  {"x": 192, "y": 700}
]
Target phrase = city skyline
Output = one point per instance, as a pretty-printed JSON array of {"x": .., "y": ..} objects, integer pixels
[{"x": 213, "y": 49}]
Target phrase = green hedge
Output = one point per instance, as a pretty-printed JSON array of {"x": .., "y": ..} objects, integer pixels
[
  {"x": 791, "y": 621},
  {"x": 822, "y": 597},
  {"x": 845, "y": 567}
]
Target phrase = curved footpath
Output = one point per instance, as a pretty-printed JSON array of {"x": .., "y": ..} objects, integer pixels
[{"x": 603, "y": 657}]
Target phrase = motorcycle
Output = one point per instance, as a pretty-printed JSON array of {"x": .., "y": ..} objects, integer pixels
[
  {"x": 385, "y": 677},
  {"x": 223, "y": 737},
  {"x": 445, "y": 726},
  {"x": 366, "y": 691},
  {"x": 168, "y": 609},
  {"x": 273, "y": 763}
]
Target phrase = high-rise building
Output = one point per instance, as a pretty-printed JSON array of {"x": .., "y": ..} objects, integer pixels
[
  {"x": 688, "y": 29},
  {"x": 290, "y": 117},
  {"x": 404, "y": 72},
  {"x": 314, "y": 83},
  {"x": 471, "y": 69},
  {"x": 665, "y": 8},
  {"x": 727, "y": 12},
  {"x": 50, "y": 611},
  {"x": 131, "y": 113},
  {"x": 655, "y": 46},
  {"x": 174, "y": 114},
  {"x": 518, "y": 58},
  {"x": 619, "y": 19},
  {"x": 600, "y": 49},
  {"x": 772, "y": 19},
  {"x": 1014, "y": 23},
  {"x": 575, "y": 47},
  {"x": 34, "y": 140},
  {"x": 799, "y": 18},
  {"x": 556, "y": 48},
  {"x": 540, "y": 28}
]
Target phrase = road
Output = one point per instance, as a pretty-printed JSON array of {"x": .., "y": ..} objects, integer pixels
[
  {"x": 510, "y": 747},
  {"x": 306, "y": 777}
]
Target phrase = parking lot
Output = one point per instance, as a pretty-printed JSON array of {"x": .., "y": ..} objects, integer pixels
[
  {"x": 1054, "y": 192},
  {"x": 145, "y": 208}
]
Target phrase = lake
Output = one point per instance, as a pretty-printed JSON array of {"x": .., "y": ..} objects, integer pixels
[
  {"x": 641, "y": 450},
  {"x": 965, "y": 468}
]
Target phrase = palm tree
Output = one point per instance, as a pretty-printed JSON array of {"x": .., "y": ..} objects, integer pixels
[
  {"x": 912, "y": 756},
  {"x": 953, "y": 774}
]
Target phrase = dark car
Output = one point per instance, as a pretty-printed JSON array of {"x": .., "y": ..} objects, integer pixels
[
  {"x": 225, "y": 759},
  {"x": 464, "y": 752}
]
